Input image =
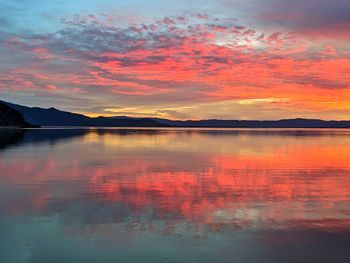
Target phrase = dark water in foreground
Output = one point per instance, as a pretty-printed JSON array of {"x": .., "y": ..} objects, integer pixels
[{"x": 174, "y": 196}]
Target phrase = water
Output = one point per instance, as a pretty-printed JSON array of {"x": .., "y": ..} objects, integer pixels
[{"x": 159, "y": 195}]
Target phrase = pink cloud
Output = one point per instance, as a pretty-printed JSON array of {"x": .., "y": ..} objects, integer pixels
[{"x": 180, "y": 59}]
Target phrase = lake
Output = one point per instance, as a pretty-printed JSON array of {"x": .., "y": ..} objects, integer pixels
[{"x": 174, "y": 195}]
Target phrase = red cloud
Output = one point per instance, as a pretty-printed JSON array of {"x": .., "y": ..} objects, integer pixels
[{"x": 203, "y": 60}]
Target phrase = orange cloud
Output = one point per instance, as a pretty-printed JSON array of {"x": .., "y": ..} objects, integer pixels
[{"x": 182, "y": 61}]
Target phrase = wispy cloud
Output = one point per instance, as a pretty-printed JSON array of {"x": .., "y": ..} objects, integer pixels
[{"x": 175, "y": 62}]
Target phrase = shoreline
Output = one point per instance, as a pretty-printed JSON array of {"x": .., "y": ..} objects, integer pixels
[{"x": 168, "y": 128}]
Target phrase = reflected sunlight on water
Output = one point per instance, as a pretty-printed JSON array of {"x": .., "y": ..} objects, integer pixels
[{"x": 211, "y": 191}]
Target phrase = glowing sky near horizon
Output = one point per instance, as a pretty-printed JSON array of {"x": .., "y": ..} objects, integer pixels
[{"x": 231, "y": 59}]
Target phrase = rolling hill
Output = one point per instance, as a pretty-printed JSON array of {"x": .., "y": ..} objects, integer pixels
[{"x": 55, "y": 117}]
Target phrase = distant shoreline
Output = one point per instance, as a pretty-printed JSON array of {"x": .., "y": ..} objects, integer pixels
[
  {"x": 52, "y": 117},
  {"x": 169, "y": 128}
]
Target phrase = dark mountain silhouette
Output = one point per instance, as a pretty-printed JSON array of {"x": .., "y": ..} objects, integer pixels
[
  {"x": 9, "y": 117},
  {"x": 55, "y": 117},
  {"x": 287, "y": 123}
]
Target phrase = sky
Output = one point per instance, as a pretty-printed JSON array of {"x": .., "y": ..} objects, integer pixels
[{"x": 184, "y": 59}]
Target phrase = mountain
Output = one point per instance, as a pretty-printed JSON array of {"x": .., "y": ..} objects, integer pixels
[
  {"x": 10, "y": 117},
  {"x": 55, "y": 117},
  {"x": 287, "y": 123}
]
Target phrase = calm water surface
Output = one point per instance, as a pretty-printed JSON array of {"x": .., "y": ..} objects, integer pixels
[{"x": 142, "y": 195}]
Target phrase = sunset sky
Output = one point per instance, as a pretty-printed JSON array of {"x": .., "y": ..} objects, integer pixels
[{"x": 184, "y": 59}]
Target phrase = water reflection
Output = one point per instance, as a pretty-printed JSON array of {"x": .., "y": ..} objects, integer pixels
[
  {"x": 223, "y": 195},
  {"x": 10, "y": 137}
]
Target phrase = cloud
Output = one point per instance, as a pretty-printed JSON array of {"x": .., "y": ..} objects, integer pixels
[
  {"x": 313, "y": 18},
  {"x": 170, "y": 64}
]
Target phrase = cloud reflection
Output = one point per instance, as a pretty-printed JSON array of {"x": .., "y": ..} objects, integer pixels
[{"x": 149, "y": 179}]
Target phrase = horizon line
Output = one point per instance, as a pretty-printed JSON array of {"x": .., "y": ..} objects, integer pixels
[{"x": 175, "y": 120}]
